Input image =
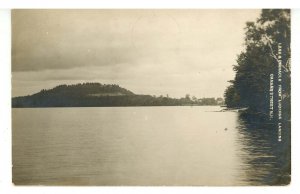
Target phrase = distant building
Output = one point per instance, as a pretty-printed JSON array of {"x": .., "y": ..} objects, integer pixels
[{"x": 220, "y": 101}]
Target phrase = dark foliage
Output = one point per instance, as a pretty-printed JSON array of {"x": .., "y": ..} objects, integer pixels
[
  {"x": 257, "y": 62},
  {"x": 101, "y": 95}
]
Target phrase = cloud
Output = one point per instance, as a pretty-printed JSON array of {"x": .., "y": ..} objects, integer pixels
[{"x": 148, "y": 51}]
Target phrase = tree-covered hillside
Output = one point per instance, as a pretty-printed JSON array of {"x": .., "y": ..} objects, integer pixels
[{"x": 102, "y": 95}]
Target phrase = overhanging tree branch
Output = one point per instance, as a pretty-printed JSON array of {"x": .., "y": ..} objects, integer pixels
[{"x": 272, "y": 54}]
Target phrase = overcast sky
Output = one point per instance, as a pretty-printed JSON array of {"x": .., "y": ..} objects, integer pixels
[{"x": 174, "y": 52}]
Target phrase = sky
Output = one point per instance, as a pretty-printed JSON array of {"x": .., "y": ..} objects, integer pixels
[{"x": 157, "y": 52}]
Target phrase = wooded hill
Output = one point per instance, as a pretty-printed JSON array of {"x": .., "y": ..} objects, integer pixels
[{"x": 101, "y": 95}]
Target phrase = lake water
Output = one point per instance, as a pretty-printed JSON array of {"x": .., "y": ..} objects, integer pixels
[{"x": 144, "y": 146}]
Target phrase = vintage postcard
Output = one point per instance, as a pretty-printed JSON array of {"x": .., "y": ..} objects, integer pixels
[{"x": 151, "y": 97}]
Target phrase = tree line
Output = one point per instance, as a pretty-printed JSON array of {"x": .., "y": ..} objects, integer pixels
[
  {"x": 262, "y": 70},
  {"x": 103, "y": 95}
]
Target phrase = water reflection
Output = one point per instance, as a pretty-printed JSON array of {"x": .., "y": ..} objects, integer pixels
[
  {"x": 265, "y": 160},
  {"x": 146, "y": 146}
]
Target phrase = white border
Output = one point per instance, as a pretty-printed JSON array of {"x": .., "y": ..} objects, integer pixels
[
  {"x": 5, "y": 94},
  {"x": 295, "y": 97},
  {"x": 5, "y": 114},
  {"x": 8, "y": 4}
]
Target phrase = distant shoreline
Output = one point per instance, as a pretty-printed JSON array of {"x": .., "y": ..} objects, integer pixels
[{"x": 104, "y": 95}]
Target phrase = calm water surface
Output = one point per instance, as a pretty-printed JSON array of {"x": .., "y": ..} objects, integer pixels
[{"x": 143, "y": 146}]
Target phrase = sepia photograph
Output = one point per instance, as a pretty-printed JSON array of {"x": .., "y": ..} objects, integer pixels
[{"x": 151, "y": 97}]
